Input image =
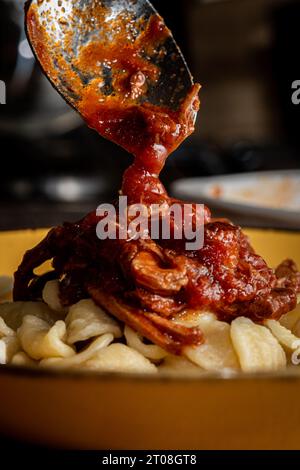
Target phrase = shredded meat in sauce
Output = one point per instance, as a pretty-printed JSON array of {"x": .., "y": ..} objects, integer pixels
[{"x": 146, "y": 283}]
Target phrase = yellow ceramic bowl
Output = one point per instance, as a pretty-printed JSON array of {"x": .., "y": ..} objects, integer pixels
[{"x": 115, "y": 412}]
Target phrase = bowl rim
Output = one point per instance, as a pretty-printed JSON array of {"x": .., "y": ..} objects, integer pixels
[{"x": 291, "y": 373}]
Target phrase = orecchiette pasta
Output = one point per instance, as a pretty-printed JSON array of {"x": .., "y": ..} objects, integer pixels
[
  {"x": 85, "y": 320},
  {"x": 289, "y": 320},
  {"x": 256, "y": 347},
  {"x": 82, "y": 357},
  {"x": 4, "y": 329},
  {"x": 51, "y": 296},
  {"x": 9, "y": 346},
  {"x": 296, "y": 357},
  {"x": 41, "y": 340},
  {"x": 284, "y": 336},
  {"x": 151, "y": 351},
  {"x": 85, "y": 337},
  {"x": 193, "y": 319},
  {"x": 296, "y": 329},
  {"x": 179, "y": 365},
  {"x": 217, "y": 351},
  {"x": 3, "y": 356},
  {"x": 9, "y": 342},
  {"x": 120, "y": 358},
  {"x": 22, "y": 359}
]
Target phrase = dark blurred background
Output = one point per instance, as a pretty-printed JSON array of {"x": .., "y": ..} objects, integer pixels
[{"x": 243, "y": 52}]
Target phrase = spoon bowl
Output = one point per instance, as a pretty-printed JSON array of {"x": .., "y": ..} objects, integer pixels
[{"x": 65, "y": 36}]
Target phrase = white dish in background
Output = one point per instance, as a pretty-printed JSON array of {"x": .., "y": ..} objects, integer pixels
[{"x": 273, "y": 195}]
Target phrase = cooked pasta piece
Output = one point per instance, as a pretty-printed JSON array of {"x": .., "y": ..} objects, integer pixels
[
  {"x": 3, "y": 356},
  {"x": 51, "y": 297},
  {"x": 217, "y": 351},
  {"x": 256, "y": 346},
  {"x": 9, "y": 347},
  {"x": 4, "y": 329},
  {"x": 192, "y": 319},
  {"x": 22, "y": 359},
  {"x": 296, "y": 329},
  {"x": 296, "y": 357},
  {"x": 81, "y": 358},
  {"x": 85, "y": 320},
  {"x": 31, "y": 334},
  {"x": 179, "y": 365},
  {"x": 151, "y": 351},
  {"x": 284, "y": 336},
  {"x": 14, "y": 312},
  {"x": 41, "y": 340},
  {"x": 290, "y": 320},
  {"x": 120, "y": 358},
  {"x": 9, "y": 342}
]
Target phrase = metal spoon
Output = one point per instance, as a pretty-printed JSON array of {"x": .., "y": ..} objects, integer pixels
[{"x": 58, "y": 30}]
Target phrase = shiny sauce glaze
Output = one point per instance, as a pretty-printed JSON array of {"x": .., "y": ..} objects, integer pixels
[{"x": 147, "y": 283}]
